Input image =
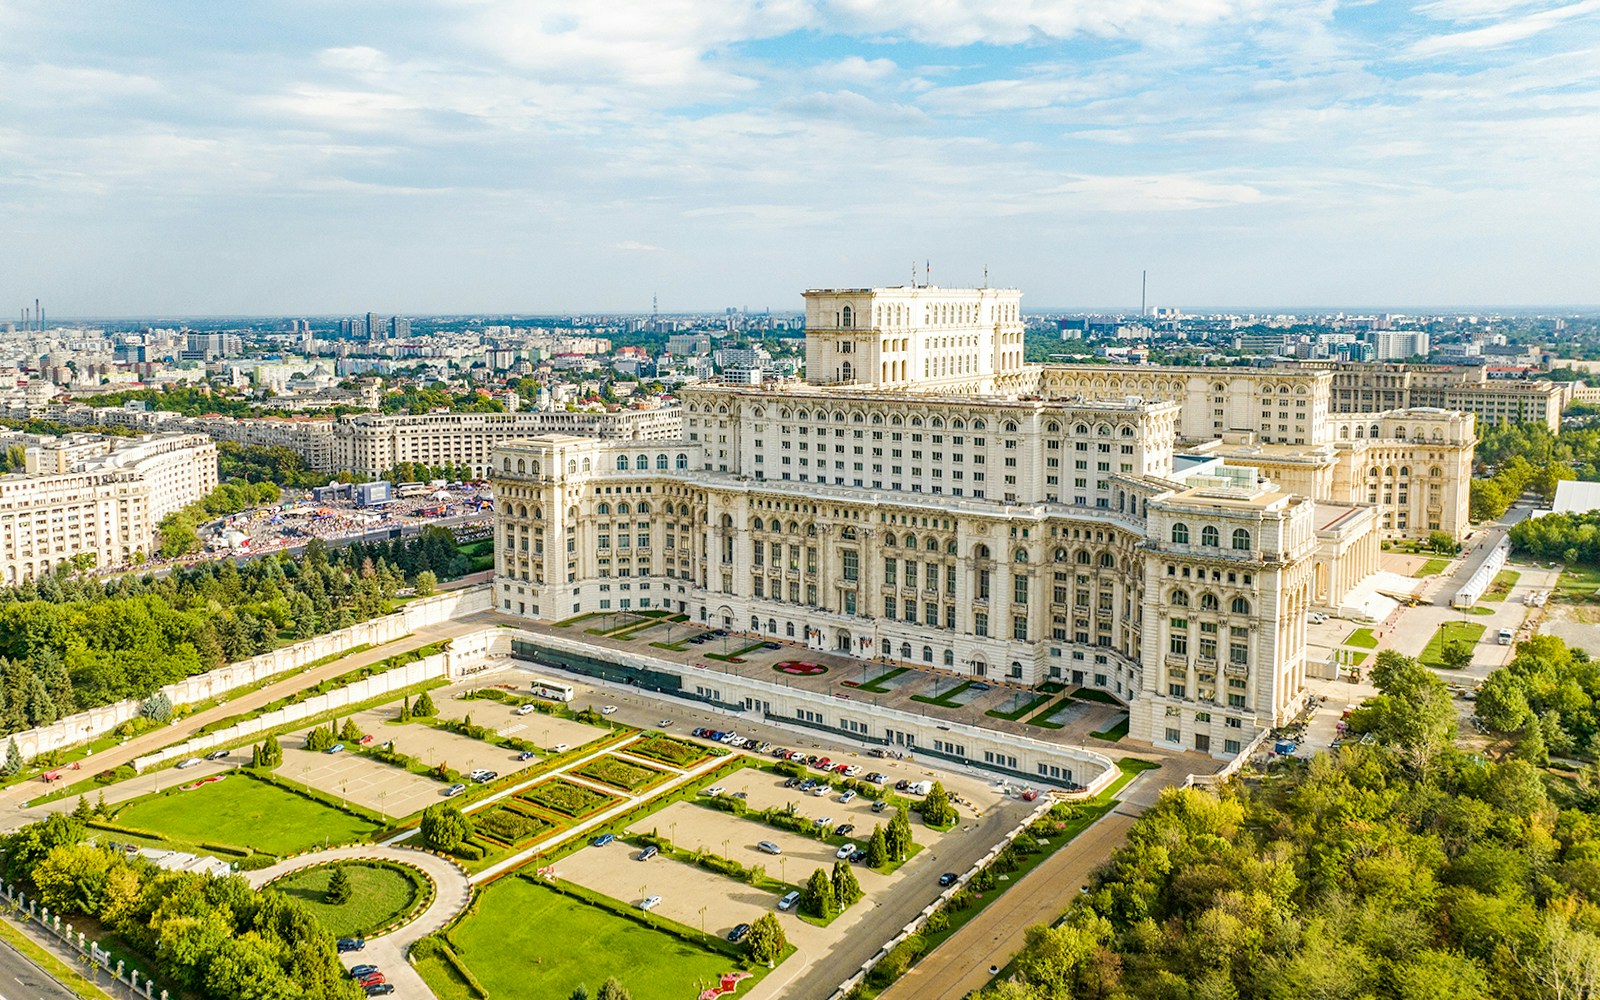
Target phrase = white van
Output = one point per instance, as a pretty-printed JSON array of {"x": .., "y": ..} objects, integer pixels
[{"x": 1506, "y": 635}]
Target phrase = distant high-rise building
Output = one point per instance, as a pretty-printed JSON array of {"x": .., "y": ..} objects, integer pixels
[{"x": 1397, "y": 345}]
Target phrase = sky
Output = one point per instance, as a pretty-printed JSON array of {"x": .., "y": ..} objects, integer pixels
[{"x": 535, "y": 156}]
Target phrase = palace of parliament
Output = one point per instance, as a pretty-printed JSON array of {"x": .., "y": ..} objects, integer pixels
[{"x": 925, "y": 497}]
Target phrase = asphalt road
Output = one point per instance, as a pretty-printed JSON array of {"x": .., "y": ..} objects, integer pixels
[{"x": 20, "y": 979}]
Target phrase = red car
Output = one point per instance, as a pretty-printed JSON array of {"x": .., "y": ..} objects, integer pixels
[
  {"x": 372, "y": 980},
  {"x": 825, "y": 764}
]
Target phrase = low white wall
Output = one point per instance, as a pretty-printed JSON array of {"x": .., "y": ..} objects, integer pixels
[
  {"x": 427, "y": 668},
  {"x": 84, "y": 726}
]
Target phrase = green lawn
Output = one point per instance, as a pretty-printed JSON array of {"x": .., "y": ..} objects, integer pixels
[
  {"x": 1362, "y": 637},
  {"x": 1432, "y": 567},
  {"x": 244, "y": 813},
  {"x": 379, "y": 895},
  {"x": 1032, "y": 705},
  {"x": 944, "y": 700},
  {"x": 1115, "y": 733},
  {"x": 876, "y": 684},
  {"x": 1578, "y": 583},
  {"x": 1501, "y": 585},
  {"x": 525, "y": 940},
  {"x": 1432, "y": 653}
]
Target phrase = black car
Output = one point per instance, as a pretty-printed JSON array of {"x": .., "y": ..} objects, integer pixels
[
  {"x": 379, "y": 989},
  {"x": 770, "y": 645},
  {"x": 217, "y": 754},
  {"x": 738, "y": 933},
  {"x": 948, "y": 878},
  {"x": 358, "y": 971},
  {"x": 698, "y": 731},
  {"x": 790, "y": 782},
  {"x": 845, "y": 829},
  {"x": 902, "y": 785},
  {"x": 351, "y": 944},
  {"x": 857, "y": 856}
]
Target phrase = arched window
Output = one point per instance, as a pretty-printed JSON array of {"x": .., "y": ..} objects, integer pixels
[
  {"x": 847, "y": 372},
  {"x": 889, "y": 541},
  {"x": 536, "y": 466},
  {"x": 622, "y": 463},
  {"x": 981, "y": 552},
  {"x": 683, "y": 461},
  {"x": 949, "y": 658},
  {"x": 1180, "y": 534},
  {"x": 905, "y": 651},
  {"x": 1240, "y": 606},
  {"x": 604, "y": 509},
  {"x": 1083, "y": 557},
  {"x": 1180, "y": 598},
  {"x": 1021, "y": 556},
  {"x": 1108, "y": 561},
  {"x": 1209, "y": 536},
  {"x": 847, "y": 319},
  {"x": 661, "y": 463},
  {"x": 521, "y": 467},
  {"x": 1208, "y": 602},
  {"x": 642, "y": 463},
  {"x": 758, "y": 525},
  {"x": 622, "y": 508},
  {"x": 644, "y": 508},
  {"x": 572, "y": 466},
  {"x": 927, "y": 654},
  {"x": 932, "y": 545},
  {"x": 1061, "y": 555},
  {"x": 1241, "y": 539},
  {"x": 587, "y": 467}
]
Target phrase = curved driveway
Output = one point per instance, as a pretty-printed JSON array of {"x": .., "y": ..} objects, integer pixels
[{"x": 452, "y": 892}]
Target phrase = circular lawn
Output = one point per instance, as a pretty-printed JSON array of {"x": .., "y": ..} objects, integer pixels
[
  {"x": 380, "y": 895},
  {"x": 802, "y": 668}
]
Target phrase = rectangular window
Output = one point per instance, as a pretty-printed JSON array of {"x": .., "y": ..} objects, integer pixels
[
  {"x": 1019, "y": 589},
  {"x": 852, "y": 565},
  {"x": 890, "y": 565},
  {"x": 980, "y": 624},
  {"x": 1019, "y": 629}
]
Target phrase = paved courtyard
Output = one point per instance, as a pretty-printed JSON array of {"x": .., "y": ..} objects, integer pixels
[{"x": 689, "y": 895}]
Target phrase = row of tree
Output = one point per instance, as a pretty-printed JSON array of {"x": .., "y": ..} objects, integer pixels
[
  {"x": 68, "y": 644},
  {"x": 254, "y": 463},
  {"x": 1401, "y": 868},
  {"x": 212, "y": 937},
  {"x": 1572, "y": 538}
]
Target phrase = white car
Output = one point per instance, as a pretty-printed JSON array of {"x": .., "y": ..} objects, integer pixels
[
  {"x": 528, "y": 709},
  {"x": 559, "y": 748},
  {"x": 191, "y": 762},
  {"x": 845, "y": 851},
  {"x": 713, "y": 791},
  {"x": 848, "y": 795},
  {"x": 820, "y": 791},
  {"x": 608, "y": 710},
  {"x": 649, "y": 902}
]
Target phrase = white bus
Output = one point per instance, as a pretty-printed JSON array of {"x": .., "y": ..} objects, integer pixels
[{"x": 552, "y": 690}]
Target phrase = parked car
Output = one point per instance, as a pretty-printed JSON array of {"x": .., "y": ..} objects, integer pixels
[
  {"x": 851, "y": 770},
  {"x": 858, "y": 857},
  {"x": 789, "y": 900},
  {"x": 602, "y": 840},
  {"x": 649, "y": 902},
  {"x": 351, "y": 944},
  {"x": 527, "y": 709},
  {"x": 902, "y": 785},
  {"x": 808, "y": 784},
  {"x": 948, "y": 878},
  {"x": 879, "y": 806},
  {"x": 820, "y": 790},
  {"x": 454, "y": 790},
  {"x": 217, "y": 754},
  {"x": 525, "y": 755},
  {"x": 191, "y": 762},
  {"x": 790, "y": 782},
  {"x": 698, "y": 731},
  {"x": 825, "y": 764},
  {"x": 648, "y": 853},
  {"x": 782, "y": 753},
  {"x": 366, "y": 739},
  {"x": 356, "y": 972},
  {"x": 371, "y": 979},
  {"x": 823, "y": 823},
  {"x": 845, "y": 829},
  {"x": 845, "y": 851},
  {"x": 480, "y": 774},
  {"x": 770, "y": 645},
  {"x": 737, "y": 934},
  {"x": 849, "y": 793},
  {"x": 378, "y": 989},
  {"x": 607, "y": 710},
  {"x": 559, "y": 748},
  {"x": 769, "y": 847},
  {"x": 336, "y": 748},
  {"x": 663, "y": 723}
]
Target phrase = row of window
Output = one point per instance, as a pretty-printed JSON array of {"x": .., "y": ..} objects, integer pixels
[{"x": 1211, "y": 537}]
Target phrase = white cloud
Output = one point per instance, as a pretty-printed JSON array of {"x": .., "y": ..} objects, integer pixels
[
  {"x": 857, "y": 70},
  {"x": 1503, "y": 33}
]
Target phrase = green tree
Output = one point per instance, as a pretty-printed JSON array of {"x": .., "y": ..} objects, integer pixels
[
  {"x": 1456, "y": 654},
  {"x": 846, "y": 890},
  {"x": 877, "y": 849},
  {"x": 423, "y": 707},
  {"x": 82, "y": 810},
  {"x": 936, "y": 807},
  {"x": 443, "y": 827},
  {"x": 816, "y": 897},
  {"x": 766, "y": 940},
  {"x": 157, "y": 707},
  {"x": 340, "y": 888},
  {"x": 426, "y": 583},
  {"x": 611, "y": 989},
  {"x": 1502, "y": 703},
  {"x": 13, "y": 762},
  {"x": 1441, "y": 543},
  {"x": 351, "y": 733}
]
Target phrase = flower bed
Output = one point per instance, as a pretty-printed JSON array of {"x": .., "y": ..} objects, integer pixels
[
  {"x": 618, "y": 773},
  {"x": 800, "y": 668},
  {"x": 566, "y": 798}
]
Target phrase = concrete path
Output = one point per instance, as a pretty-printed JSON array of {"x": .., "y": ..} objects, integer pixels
[{"x": 452, "y": 894}]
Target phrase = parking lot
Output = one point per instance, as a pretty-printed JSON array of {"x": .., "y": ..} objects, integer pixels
[
  {"x": 537, "y": 728},
  {"x": 688, "y": 894}
]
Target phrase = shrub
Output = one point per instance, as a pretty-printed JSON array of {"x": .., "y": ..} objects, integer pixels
[
  {"x": 508, "y": 825},
  {"x": 423, "y": 707},
  {"x": 565, "y": 797},
  {"x": 444, "y": 827},
  {"x": 157, "y": 707},
  {"x": 621, "y": 774}
]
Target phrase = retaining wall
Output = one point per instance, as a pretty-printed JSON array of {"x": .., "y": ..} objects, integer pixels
[{"x": 85, "y": 726}]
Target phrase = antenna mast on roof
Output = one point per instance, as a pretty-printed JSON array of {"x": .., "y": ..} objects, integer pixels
[{"x": 986, "y": 275}]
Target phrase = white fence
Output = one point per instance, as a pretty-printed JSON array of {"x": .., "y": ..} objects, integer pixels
[
  {"x": 86, "y": 725},
  {"x": 427, "y": 668}
]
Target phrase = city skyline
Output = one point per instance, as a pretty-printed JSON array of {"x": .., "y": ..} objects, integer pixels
[{"x": 493, "y": 158}]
